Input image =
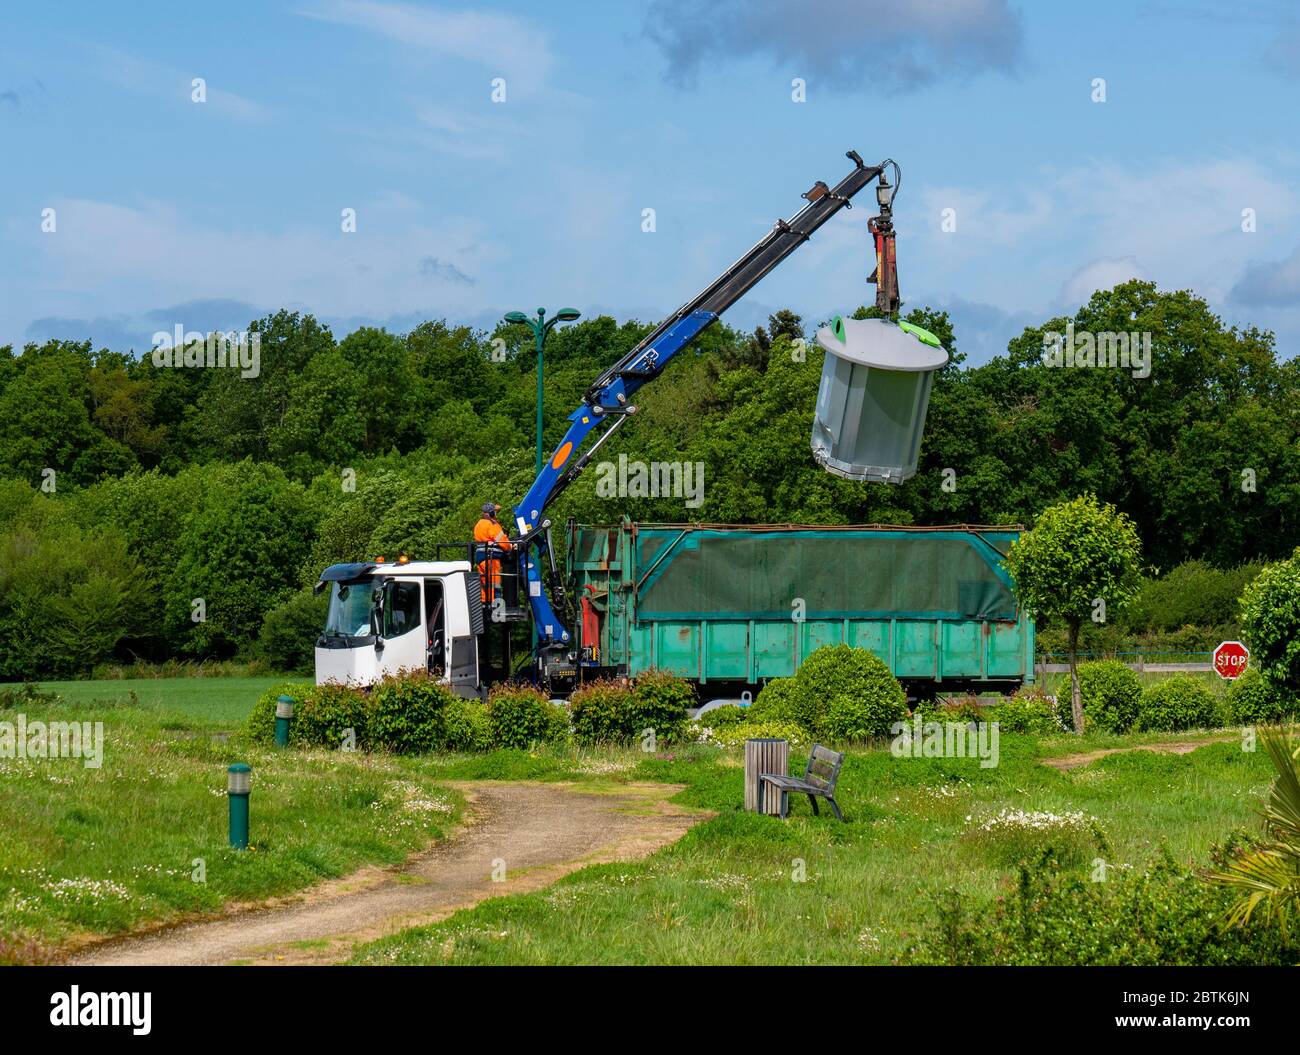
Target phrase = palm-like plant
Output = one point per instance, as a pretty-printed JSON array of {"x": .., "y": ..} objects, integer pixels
[{"x": 1268, "y": 876}]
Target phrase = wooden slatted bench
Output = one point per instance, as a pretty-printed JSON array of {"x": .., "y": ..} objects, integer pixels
[{"x": 819, "y": 780}]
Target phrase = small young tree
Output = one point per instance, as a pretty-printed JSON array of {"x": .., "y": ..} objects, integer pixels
[
  {"x": 1270, "y": 622},
  {"x": 1079, "y": 561}
]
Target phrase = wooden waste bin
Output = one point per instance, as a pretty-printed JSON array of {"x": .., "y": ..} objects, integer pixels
[{"x": 764, "y": 756}]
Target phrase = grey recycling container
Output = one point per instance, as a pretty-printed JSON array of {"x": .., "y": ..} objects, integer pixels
[{"x": 874, "y": 393}]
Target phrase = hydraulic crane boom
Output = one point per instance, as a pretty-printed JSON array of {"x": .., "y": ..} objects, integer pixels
[{"x": 606, "y": 404}]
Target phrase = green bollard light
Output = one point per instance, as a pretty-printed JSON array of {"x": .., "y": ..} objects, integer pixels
[
  {"x": 283, "y": 714},
  {"x": 239, "y": 779}
]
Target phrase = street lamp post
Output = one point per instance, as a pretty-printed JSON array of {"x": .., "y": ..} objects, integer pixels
[{"x": 541, "y": 326}]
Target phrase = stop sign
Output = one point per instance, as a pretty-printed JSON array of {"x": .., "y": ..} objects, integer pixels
[{"x": 1230, "y": 659}]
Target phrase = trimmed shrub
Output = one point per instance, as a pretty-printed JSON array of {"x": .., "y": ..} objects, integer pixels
[
  {"x": 520, "y": 716},
  {"x": 1110, "y": 693},
  {"x": 599, "y": 711},
  {"x": 851, "y": 693},
  {"x": 465, "y": 726},
  {"x": 260, "y": 724},
  {"x": 1253, "y": 699},
  {"x": 326, "y": 713},
  {"x": 838, "y": 693},
  {"x": 659, "y": 702},
  {"x": 778, "y": 700},
  {"x": 1027, "y": 713},
  {"x": 1178, "y": 702},
  {"x": 408, "y": 714}
]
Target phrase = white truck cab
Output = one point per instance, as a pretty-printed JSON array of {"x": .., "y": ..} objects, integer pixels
[{"x": 387, "y": 619}]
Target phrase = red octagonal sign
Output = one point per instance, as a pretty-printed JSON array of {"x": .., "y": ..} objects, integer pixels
[{"x": 1230, "y": 659}]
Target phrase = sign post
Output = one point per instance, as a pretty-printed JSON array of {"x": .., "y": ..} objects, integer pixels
[{"x": 1230, "y": 660}]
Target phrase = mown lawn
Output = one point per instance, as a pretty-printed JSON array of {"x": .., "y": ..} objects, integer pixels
[
  {"x": 744, "y": 889},
  {"x": 222, "y": 699},
  {"x": 143, "y": 838}
]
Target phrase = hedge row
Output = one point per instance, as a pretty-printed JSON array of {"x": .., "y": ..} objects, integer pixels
[
  {"x": 416, "y": 714},
  {"x": 1115, "y": 701}
]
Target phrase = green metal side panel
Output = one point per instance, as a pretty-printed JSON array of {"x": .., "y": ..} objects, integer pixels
[
  {"x": 773, "y": 650},
  {"x": 1007, "y": 648},
  {"x": 871, "y": 634},
  {"x": 677, "y": 648},
  {"x": 726, "y": 651},
  {"x": 814, "y": 633},
  {"x": 960, "y": 654},
  {"x": 914, "y": 649}
]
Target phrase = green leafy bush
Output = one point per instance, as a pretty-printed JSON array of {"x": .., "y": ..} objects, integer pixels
[
  {"x": 260, "y": 724},
  {"x": 289, "y": 631},
  {"x": 659, "y": 702},
  {"x": 767, "y": 728},
  {"x": 727, "y": 714},
  {"x": 1270, "y": 621},
  {"x": 1178, "y": 702},
  {"x": 465, "y": 726},
  {"x": 1029, "y": 713},
  {"x": 851, "y": 692},
  {"x": 599, "y": 711},
  {"x": 778, "y": 700},
  {"x": 1191, "y": 594},
  {"x": 1165, "y": 916},
  {"x": 408, "y": 714},
  {"x": 838, "y": 693},
  {"x": 1255, "y": 700},
  {"x": 521, "y": 717},
  {"x": 326, "y": 713},
  {"x": 1110, "y": 693}
]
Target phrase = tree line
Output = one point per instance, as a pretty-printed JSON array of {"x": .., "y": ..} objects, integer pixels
[{"x": 154, "y": 511}]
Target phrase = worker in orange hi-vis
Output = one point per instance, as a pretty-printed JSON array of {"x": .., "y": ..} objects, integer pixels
[{"x": 489, "y": 531}]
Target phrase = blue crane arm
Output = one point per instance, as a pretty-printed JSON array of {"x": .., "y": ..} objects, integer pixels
[{"x": 607, "y": 402}]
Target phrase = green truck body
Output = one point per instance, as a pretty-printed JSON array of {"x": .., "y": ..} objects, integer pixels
[{"x": 730, "y": 606}]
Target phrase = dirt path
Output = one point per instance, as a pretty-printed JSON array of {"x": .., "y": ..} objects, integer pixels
[
  {"x": 1181, "y": 747},
  {"x": 537, "y": 832}
]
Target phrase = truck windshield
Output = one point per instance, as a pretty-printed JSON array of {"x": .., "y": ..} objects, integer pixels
[{"x": 349, "y": 614}]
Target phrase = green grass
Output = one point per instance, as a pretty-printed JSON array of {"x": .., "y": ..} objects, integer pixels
[
  {"x": 752, "y": 890},
  {"x": 92, "y": 851},
  {"x": 226, "y": 700}
]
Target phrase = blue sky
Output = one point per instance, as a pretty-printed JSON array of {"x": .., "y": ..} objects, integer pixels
[{"x": 208, "y": 214}]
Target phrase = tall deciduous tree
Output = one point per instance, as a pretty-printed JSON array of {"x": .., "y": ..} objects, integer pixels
[{"x": 1079, "y": 559}]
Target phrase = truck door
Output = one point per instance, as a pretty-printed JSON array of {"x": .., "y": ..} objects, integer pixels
[
  {"x": 402, "y": 627},
  {"x": 464, "y": 621}
]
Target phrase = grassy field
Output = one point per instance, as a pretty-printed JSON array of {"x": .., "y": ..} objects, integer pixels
[
  {"x": 143, "y": 838},
  {"x": 221, "y": 700},
  {"x": 752, "y": 890},
  {"x": 99, "y": 851}
]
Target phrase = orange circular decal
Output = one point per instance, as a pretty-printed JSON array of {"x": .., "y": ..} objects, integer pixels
[{"x": 561, "y": 456}]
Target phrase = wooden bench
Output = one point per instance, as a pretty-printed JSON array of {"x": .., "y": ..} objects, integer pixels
[{"x": 819, "y": 780}]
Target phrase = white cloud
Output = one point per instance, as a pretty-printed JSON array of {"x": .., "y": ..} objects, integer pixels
[
  {"x": 1105, "y": 273},
  {"x": 502, "y": 44},
  {"x": 105, "y": 254}
]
